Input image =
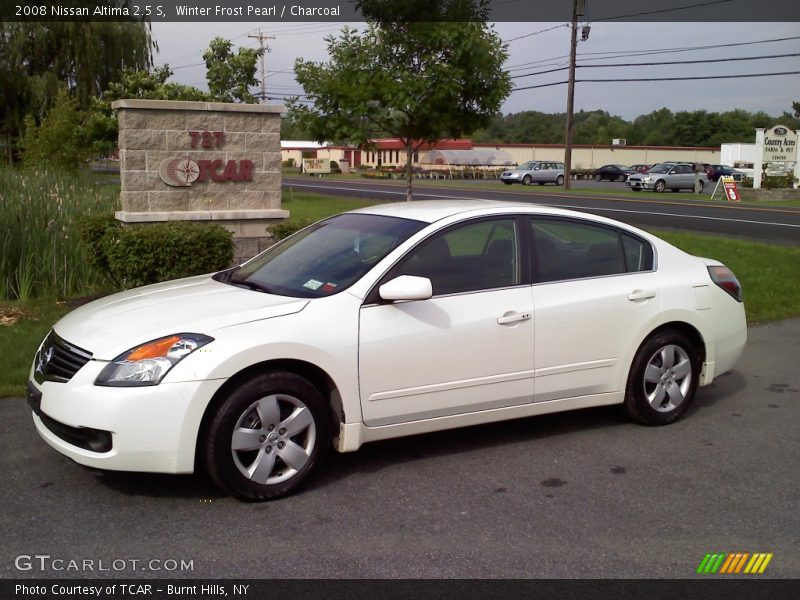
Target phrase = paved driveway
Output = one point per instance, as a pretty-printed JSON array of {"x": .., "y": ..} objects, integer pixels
[{"x": 583, "y": 494}]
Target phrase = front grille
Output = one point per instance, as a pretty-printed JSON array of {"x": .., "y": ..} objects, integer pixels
[{"x": 59, "y": 360}]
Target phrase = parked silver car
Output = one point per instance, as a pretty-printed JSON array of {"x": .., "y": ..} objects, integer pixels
[
  {"x": 663, "y": 176},
  {"x": 535, "y": 171}
]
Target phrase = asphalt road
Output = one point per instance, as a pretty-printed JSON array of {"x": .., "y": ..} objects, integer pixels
[
  {"x": 581, "y": 494},
  {"x": 773, "y": 224}
]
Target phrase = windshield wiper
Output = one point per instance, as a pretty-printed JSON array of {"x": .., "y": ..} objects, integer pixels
[{"x": 249, "y": 285}]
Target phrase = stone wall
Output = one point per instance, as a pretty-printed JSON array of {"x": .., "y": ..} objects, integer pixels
[
  {"x": 222, "y": 162},
  {"x": 769, "y": 195}
]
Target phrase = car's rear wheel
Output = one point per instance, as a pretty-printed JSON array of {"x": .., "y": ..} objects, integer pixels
[
  {"x": 700, "y": 186},
  {"x": 268, "y": 436},
  {"x": 621, "y": 178},
  {"x": 560, "y": 180},
  {"x": 663, "y": 378},
  {"x": 659, "y": 186},
  {"x": 526, "y": 180},
  {"x": 598, "y": 177}
]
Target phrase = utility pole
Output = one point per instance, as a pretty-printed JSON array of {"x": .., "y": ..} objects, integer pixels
[
  {"x": 571, "y": 93},
  {"x": 262, "y": 37}
]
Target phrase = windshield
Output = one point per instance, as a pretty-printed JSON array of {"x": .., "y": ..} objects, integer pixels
[
  {"x": 527, "y": 166},
  {"x": 662, "y": 168},
  {"x": 326, "y": 257}
]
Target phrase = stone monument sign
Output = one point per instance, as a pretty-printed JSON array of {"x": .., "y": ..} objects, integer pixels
[{"x": 202, "y": 161}]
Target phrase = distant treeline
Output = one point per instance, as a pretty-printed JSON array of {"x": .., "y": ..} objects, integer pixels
[{"x": 659, "y": 128}]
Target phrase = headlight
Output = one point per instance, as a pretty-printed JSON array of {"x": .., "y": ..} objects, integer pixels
[
  {"x": 647, "y": 178},
  {"x": 147, "y": 364}
]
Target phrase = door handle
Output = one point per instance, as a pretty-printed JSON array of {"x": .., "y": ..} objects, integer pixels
[
  {"x": 513, "y": 318},
  {"x": 641, "y": 295}
]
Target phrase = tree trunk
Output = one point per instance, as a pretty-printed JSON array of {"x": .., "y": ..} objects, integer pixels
[{"x": 409, "y": 173}]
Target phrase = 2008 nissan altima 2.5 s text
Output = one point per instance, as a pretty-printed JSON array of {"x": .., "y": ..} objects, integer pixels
[{"x": 387, "y": 321}]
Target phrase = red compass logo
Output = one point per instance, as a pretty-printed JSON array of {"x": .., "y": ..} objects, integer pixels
[{"x": 179, "y": 172}]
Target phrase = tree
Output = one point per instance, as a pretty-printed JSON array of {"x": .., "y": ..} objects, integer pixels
[
  {"x": 416, "y": 82},
  {"x": 230, "y": 76},
  {"x": 101, "y": 129},
  {"x": 59, "y": 140},
  {"x": 38, "y": 59}
]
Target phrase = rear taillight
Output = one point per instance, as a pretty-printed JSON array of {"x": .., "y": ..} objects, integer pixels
[{"x": 725, "y": 279}]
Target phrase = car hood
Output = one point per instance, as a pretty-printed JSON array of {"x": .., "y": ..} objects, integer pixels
[{"x": 109, "y": 326}]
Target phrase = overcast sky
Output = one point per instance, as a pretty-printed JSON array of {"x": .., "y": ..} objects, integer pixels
[{"x": 181, "y": 45}]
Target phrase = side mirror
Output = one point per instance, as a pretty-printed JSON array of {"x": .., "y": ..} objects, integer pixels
[{"x": 406, "y": 287}]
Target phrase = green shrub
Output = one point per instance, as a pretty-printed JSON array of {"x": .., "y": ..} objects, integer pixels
[
  {"x": 288, "y": 163},
  {"x": 287, "y": 228},
  {"x": 145, "y": 254},
  {"x": 772, "y": 182},
  {"x": 93, "y": 230}
]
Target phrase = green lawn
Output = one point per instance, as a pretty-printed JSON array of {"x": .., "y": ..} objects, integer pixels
[
  {"x": 769, "y": 275},
  {"x": 304, "y": 206}
]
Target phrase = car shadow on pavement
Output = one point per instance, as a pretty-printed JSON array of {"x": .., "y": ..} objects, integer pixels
[
  {"x": 377, "y": 456},
  {"x": 154, "y": 485}
]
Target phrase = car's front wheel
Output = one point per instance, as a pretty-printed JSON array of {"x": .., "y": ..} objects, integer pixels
[
  {"x": 268, "y": 436},
  {"x": 660, "y": 186},
  {"x": 598, "y": 177},
  {"x": 527, "y": 180},
  {"x": 662, "y": 379}
]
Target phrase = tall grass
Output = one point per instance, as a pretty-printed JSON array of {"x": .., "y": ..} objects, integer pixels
[{"x": 41, "y": 254}]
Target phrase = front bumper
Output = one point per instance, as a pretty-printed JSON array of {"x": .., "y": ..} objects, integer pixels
[
  {"x": 511, "y": 178},
  {"x": 149, "y": 429},
  {"x": 638, "y": 184}
]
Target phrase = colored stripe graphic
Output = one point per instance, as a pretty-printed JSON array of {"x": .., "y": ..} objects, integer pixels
[{"x": 734, "y": 562}]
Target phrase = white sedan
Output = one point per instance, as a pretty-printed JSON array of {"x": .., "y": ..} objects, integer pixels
[{"x": 388, "y": 321}]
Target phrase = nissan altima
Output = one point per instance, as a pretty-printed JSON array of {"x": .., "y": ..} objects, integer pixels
[{"x": 388, "y": 321}]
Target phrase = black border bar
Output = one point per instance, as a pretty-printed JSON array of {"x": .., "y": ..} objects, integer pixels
[
  {"x": 700, "y": 588},
  {"x": 288, "y": 11}
]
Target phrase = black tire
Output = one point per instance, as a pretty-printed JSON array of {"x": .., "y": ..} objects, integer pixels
[
  {"x": 526, "y": 180},
  {"x": 598, "y": 177},
  {"x": 292, "y": 395},
  {"x": 659, "y": 186},
  {"x": 700, "y": 185},
  {"x": 621, "y": 178},
  {"x": 560, "y": 180},
  {"x": 657, "y": 394}
]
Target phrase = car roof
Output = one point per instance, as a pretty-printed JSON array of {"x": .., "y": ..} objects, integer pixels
[{"x": 430, "y": 211}]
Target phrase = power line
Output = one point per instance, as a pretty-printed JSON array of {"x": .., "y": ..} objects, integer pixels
[
  {"x": 627, "y": 53},
  {"x": 662, "y": 10},
  {"x": 703, "y": 77},
  {"x": 519, "y": 37},
  {"x": 670, "y": 62},
  {"x": 690, "y": 62}
]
